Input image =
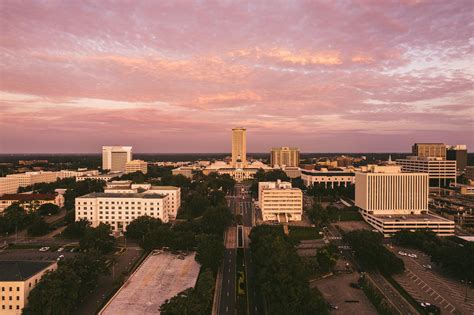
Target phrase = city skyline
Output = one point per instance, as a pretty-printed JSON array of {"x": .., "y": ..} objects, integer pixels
[{"x": 365, "y": 76}]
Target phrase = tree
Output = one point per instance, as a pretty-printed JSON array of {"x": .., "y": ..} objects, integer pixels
[
  {"x": 141, "y": 226},
  {"x": 14, "y": 217},
  {"x": 38, "y": 227},
  {"x": 98, "y": 238},
  {"x": 56, "y": 293},
  {"x": 215, "y": 220},
  {"x": 318, "y": 215},
  {"x": 210, "y": 251},
  {"x": 76, "y": 229},
  {"x": 48, "y": 209}
]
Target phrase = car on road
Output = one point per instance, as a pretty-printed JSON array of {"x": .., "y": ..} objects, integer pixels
[
  {"x": 430, "y": 308},
  {"x": 60, "y": 257},
  {"x": 44, "y": 249},
  {"x": 402, "y": 253},
  {"x": 60, "y": 249},
  {"x": 412, "y": 255}
]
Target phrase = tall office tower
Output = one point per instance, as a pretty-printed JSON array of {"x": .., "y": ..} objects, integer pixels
[
  {"x": 239, "y": 147},
  {"x": 458, "y": 153},
  {"x": 285, "y": 156},
  {"x": 115, "y": 158},
  {"x": 429, "y": 150}
]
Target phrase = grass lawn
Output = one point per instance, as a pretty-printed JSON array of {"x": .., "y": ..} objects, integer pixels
[{"x": 300, "y": 233}]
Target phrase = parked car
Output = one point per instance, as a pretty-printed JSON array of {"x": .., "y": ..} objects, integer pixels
[
  {"x": 60, "y": 249},
  {"x": 427, "y": 266},
  {"x": 60, "y": 257},
  {"x": 156, "y": 252},
  {"x": 412, "y": 256},
  {"x": 402, "y": 253},
  {"x": 431, "y": 308},
  {"x": 44, "y": 249}
]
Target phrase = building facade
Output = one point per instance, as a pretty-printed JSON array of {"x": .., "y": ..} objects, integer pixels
[
  {"x": 458, "y": 153},
  {"x": 9, "y": 185},
  {"x": 30, "y": 202},
  {"x": 239, "y": 147},
  {"x": 115, "y": 158},
  {"x": 390, "y": 201},
  {"x": 285, "y": 156},
  {"x": 118, "y": 209},
  {"x": 424, "y": 150},
  {"x": 441, "y": 172},
  {"x": 329, "y": 179},
  {"x": 17, "y": 279},
  {"x": 136, "y": 166},
  {"x": 31, "y": 178},
  {"x": 280, "y": 202},
  {"x": 76, "y": 173}
]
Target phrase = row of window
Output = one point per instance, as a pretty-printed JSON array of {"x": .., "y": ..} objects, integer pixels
[
  {"x": 11, "y": 307},
  {"x": 10, "y": 298},
  {"x": 10, "y": 289}
]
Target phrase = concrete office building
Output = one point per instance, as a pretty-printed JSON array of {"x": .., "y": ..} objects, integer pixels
[
  {"x": 9, "y": 185},
  {"x": 17, "y": 279},
  {"x": 136, "y": 166},
  {"x": 239, "y": 147},
  {"x": 76, "y": 173},
  {"x": 328, "y": 178},
  {"x": 280, "y": 202},
  {"x": 458, "y": 153},
  {"x": 115, "y": 158},
  {"x": 118, "y": 209},
  {"x": 390, "y": 201},
  {"x": 285, "y": 156},
  {"x": 441, "y": 172},
  {"x": 429, "y": 150},
  {"x": 31, "y": 178}
]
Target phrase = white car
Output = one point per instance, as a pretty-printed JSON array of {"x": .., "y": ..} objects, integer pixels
[
  {"x": 402, "y": 253},
  {"x": 412, "y": 256},
  {"x": 60, "y": 257},
  {"x": 44, "y": 249},
  {"x": 60, "y": 249},
  {"x": 427, "y": 266}
]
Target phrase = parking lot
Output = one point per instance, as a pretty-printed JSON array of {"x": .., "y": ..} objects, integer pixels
[
  {"x": 33, "y": 254},
  {"x": 336, "y": 290},
  {"x": 430, "y": 285}
]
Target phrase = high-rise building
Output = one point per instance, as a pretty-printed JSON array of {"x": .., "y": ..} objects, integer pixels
[
  {"x": 458, "y": 153},
  {"x": 285, "y": 156},
  {"x": 280, "y": 202},
  {"x": 390, "y": 201},
  {"x": 239, "y": 147},
  {"x": 429, "y": 150},
  {"x": 441, "y": 172},
  {"x": 115, "y": 158}
]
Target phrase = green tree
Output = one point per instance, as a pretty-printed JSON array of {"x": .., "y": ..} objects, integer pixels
[
  {"x": 98, "y": 238},
  {"x": 77, "y": 229},
  {"x": 210, "y": 251},
  {"x": 139, "y": 227},
  {"x": 48, "y": 209},
  {"x": 38, "y": 227},
  {"x": 215, "y": 220}
]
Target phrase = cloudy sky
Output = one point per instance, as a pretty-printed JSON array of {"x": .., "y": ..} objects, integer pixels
[{"x": 176, "y": 76}]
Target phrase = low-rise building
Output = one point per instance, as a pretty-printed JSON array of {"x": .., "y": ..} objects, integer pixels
[
  {"x": 76, "y": 173},
  {"x": 30, "y": 202},
  {"x": 31, "y": 178},
  {"x": 441, "y": 172},
  {"x": 136, "y": 166},
  {"x": 17, "y": 279},
  {"x": 391, "y": 201},
  {"x": 328, "y": 178},
  {"x": 118, "y": 209},
  {"x": 103, "y": 177},
  {"x": 280, "y": 202}
]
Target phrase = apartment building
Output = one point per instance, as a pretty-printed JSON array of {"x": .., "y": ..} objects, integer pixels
[
  {"x": 30, "y": 202},
  {"x": 280, "y": 202},
  {"x": 285, "y": 156},
  {"x": 119, "y": 209},
  {"x": 441, "y": 172},
  {"x": 9, "y": 185},
  {"x": 115, "y": 158},
  {"x": 136, "y": 166},
  {"x": 31, "y": 178},
  {"x": 328, "y": 178},
  {"x": 17, "y": 279},
  {"x": 391, "y": 200}
]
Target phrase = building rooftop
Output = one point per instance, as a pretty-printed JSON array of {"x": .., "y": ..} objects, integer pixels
[
  {"x": 412, "y": 217},
  {"x": 124, "y": 195},
  {"x": 163, "y": 188},
  {"x": 327, "y": 173},
  {"x": 21, "y": 270},
  {"x": 27, "y": 197}
]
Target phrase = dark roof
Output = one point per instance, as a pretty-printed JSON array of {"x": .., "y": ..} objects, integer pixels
[
  {"x": 21, "y": 270},
  {"x": 27, "y": 197},
  {"x": 123, "y": 195}
]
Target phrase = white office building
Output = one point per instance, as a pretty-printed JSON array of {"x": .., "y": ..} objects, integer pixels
[
  {"x": 9, "y": 185},
  {"x": 280, "y": 202},
  {"x": 31, "y": 178},
  {"x": 118, "y": 210},
  {"x": 390, "y": 201},
  {"x": 441, "y": 172},
  {"x": 136, "y": 166},
  {"x": 76, "y": 173},
  {"x": 115, "y": 158},
  {"x": 328, "y": 178}
]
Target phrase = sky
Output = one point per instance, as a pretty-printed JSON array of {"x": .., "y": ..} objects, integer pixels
[{"x": 176, "y": 76}]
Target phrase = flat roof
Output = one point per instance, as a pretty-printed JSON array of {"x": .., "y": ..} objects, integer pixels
[
  {"x": 123, "y": 195},
  {"x": 27, "y": 197},
  {"x": 159, "y": 278},
  {"x": 21, "y": 270},
  {"x": 327, "y": 173},
  {"x": 412, "y": 217},
  {"x": 163, "y": 188}
]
